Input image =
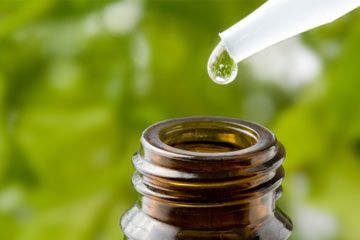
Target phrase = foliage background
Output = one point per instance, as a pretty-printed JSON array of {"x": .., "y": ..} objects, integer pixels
[{"x": 80, "y": 80}]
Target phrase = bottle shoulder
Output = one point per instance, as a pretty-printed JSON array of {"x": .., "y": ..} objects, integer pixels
[{"x": 139, "y": 226}]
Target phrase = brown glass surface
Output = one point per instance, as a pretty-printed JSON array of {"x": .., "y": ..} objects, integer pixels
[{"x": 207, "y": 178}]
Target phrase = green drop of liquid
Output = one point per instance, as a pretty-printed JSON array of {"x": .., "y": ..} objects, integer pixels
[{"x": 221, "y": 67}]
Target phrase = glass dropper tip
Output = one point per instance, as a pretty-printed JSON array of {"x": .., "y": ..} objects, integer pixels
[{"x": 222, "y": 69}]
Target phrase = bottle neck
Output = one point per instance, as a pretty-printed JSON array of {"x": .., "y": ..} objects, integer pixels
[{"x": 202, "y": 173}]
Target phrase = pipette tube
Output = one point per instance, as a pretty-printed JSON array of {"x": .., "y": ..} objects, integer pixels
[{"x": 277, "y": 20}]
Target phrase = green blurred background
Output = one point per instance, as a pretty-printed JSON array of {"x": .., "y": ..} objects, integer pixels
[{"x": 80, "y": 80}]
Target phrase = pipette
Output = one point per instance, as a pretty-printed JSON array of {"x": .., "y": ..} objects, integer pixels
[{"x": 274, "y": 21}]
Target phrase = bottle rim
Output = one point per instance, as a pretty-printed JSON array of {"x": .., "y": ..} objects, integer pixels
[{"x": 153, "y": 137}]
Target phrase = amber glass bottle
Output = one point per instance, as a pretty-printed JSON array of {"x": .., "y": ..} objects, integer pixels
[{"x": 205, "y": 178}]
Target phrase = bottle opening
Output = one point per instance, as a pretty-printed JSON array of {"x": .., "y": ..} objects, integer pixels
[{"x": 208, "y": 137}]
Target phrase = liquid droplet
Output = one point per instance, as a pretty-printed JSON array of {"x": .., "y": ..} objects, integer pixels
[{"x": 221, "y": 67}]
